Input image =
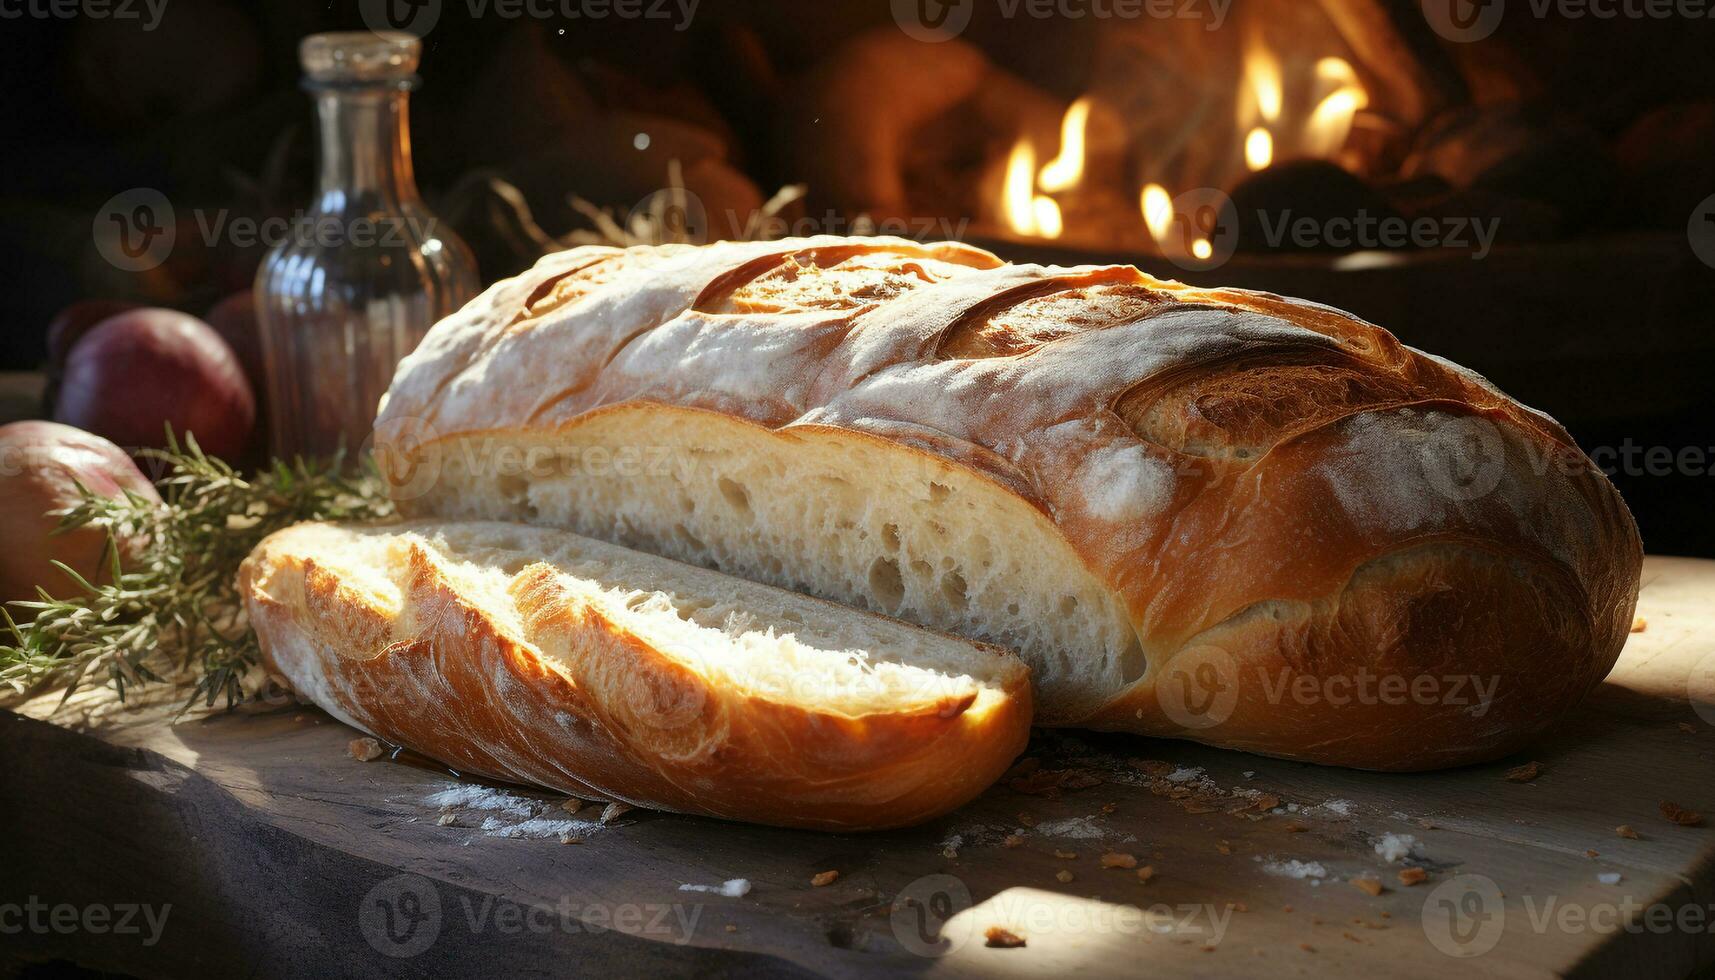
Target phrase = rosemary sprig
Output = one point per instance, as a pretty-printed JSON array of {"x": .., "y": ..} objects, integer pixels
[{"x": 172, "y": 605}]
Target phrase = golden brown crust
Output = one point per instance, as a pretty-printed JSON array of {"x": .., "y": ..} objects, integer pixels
[
  {"x": 1268, "y": 473},
  {"x": 587, "y": 706}
]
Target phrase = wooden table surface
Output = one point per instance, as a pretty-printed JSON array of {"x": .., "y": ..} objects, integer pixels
[{"x": 280, "y": 854}]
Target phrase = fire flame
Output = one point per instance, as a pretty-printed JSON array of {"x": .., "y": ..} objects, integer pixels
[
  {"x": 1271, "y": 131},
  {"x": 1331, "y": 121},
  {"x": 1027, "y": 212},
  {"x": 1064, "y": 171},
  {"x": 1261, "y": 95},
  {"x": 1157, "y": 207},
  {"x": 1017, "y": 192},
  {"x": 1259, "y": 149}
]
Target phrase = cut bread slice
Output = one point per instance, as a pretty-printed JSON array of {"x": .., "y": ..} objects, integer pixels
[{"x": 543, "y": 657}]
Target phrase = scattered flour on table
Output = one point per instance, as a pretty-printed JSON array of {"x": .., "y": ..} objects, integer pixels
[
  {"x": 1076, "y": 828},
  {"x": 731, "y": 888},
  {"x": 1395, "y": 847},
  {"x": 509, "y": 815},
  {"x": 1294, "y": 868}
]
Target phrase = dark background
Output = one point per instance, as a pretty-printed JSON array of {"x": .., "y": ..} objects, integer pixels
[{"x": 207, "y": 110}]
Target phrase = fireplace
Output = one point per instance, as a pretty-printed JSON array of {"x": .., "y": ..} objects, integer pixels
[{"x": 1525, "y": 188}]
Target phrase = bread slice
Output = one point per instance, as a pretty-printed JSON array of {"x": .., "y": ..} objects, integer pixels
[
  {"x": 1213, "y": 514},
  {"x": 543, "y": 657}
]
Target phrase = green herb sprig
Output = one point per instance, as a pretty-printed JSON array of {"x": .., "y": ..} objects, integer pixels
[{"x": 171, "y": 605}]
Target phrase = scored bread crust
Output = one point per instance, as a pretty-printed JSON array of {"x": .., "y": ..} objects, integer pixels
[
  {"x": 555, "y": 691},
  {"x": 1271, "y": 525}
]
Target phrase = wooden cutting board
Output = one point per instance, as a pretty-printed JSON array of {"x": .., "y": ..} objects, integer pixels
[{"x": 280, "y": 853}]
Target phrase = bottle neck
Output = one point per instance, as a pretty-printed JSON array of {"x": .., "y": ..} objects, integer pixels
[{"x": 365, "y": 147}]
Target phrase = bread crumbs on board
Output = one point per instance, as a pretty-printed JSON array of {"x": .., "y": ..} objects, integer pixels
[{"x": 998, "y": 937}]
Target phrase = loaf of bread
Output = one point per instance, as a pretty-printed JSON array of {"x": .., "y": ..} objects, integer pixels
[
  {"x": 541, "y": 657},
  {"x": 1204, "y": 513}
]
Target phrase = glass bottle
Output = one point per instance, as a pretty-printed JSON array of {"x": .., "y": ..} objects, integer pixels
[{"x": 368, "y": 269}]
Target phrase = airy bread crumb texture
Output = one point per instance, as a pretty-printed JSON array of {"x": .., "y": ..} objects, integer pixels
[
  {"x": 842, "y": 518},
  {"x": 739, "y": 636}
]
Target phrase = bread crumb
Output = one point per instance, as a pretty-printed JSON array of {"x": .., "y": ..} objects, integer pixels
[
  {"x": 365, "y": 749},
  {"x": 731, "y": 928},
  {"x": 1146, "y": 872},
  {"x": 569, "y": 839},
  {"x": 613, "y": 811},
  {"x": 572, "y": 805},
  {"x": 1524, "y": 773},
  {"x": 448, "y": 820},
  {"x": 1209, "y": 948},
  {"x": 1026, "y": 820},
  {"x": 996, "y": 937},
  {"x": 1592, "y": 853},
  {"x": 1294, "y": 827},
  {"x": 1680, "y": 815},
  {"x": 1426, "y": 823},
  {"x": 1115, "y": 859},
  {"x": 825, "y": 878},
  {"x": 1066, "y": 855},
  {"x": 1109, "y": 808},
  {"x": 1412, "y": 876},
  {"x": 1224, "y": 847},
  {"x": 1688, "y": 728},
  {"x": 1063, "y": 876},
  {"x": 1639, "y": 624},
  {"x": 1012, "y": 840},
  {"x": 1626, "y": 831},
  {"x": 1369, "y": 886},
  {"x": 1307, "y": 947}
]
